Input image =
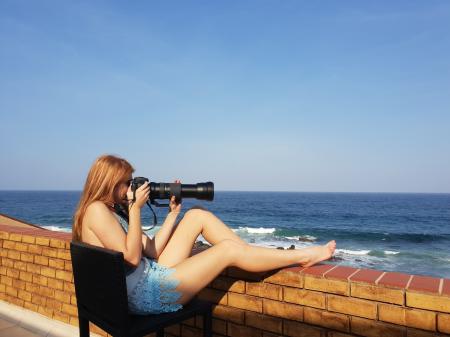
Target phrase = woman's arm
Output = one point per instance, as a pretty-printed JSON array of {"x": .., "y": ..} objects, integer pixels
[
  {"x": 153, "y": 247},
  {"x": 102, "y": 223}
]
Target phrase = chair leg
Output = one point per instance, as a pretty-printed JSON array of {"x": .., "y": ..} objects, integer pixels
[
  {"x": 207, "y": 323},
  {"x": 160, "y": 333},
  {"x": 83, "y": 324}
]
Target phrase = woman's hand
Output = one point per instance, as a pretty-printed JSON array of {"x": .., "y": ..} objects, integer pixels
[
  {"x": 174, "y": 206},
  {"x": 142, "y": 194}
]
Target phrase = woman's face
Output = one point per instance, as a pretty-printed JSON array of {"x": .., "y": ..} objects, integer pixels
[{"x": 122, "y": 189}]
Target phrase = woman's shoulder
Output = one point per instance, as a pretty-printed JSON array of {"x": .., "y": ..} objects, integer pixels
[{"x": 98, "y": 209}]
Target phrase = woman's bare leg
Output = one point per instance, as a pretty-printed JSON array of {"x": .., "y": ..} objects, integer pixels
[
  {"x": 194, "y": 223},
  {"x": 197, "y": 271}
]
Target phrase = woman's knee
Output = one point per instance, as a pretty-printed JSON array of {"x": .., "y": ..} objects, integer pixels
[
  {"x": 231, "y": 249},
  {"x": 196, "y": 213}
]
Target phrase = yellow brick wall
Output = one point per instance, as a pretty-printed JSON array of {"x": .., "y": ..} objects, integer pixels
[{"x": 35, "y": 273}]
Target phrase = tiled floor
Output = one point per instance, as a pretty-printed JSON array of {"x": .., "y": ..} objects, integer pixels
[{"x": 18, "y": 322}]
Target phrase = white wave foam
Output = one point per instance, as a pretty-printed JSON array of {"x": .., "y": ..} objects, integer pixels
[
  {"x": 302, "y": 238},
  {"x": 260, "y": 230},
  {"x": 390, "y": 252},
  {"x": 57, "y": 229},
  {"x": 353, "y": 252}
]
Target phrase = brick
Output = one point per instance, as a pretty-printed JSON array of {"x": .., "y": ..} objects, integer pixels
[
  {"x": 218, "y": 326},
  {"x": 420, "y": 319},
  {"x": 241, "y": 330},
  {"x": 352, "y": 306},
  {"x": 69, "y": 309},
  {"x": 411, "y": 332},
  {"x": 427, "y": 301},
  {"x": 8, "y": 244},
  {"x": 327, "y": 319},
  {"x": 214, "y": 296},
  {"x": 341, "y": 273},
  {"x": 6, "y": 280},
  {"x": 443, "y": 323},
  {"x": 174, "y": 329},
  {"x": 270, "y": 334},
  {"x": 31, "y": 287},
  {"x": 14, "y": 255},
  {"x": 33, "y": 268},
  {"x": 35, "y": 249},
  {"x": 246, "y": 302},
  {"x": 190, "y": 321},
  {"x": 54, "y": 304},
  {"x": 26, "y": 257},
  {"x": 21, "y": 247},
  {"x": 45, "y": 291},
  {"x": 69, "y": 287},
  {"x": 318, "y": 269},
  {"x": 49, "y": 272},
  {"x": 287, "y": 277},
  {"x": 265, "y": 290},
  {"x": 30, "y": 306},
  {"x": 28, "y": 239},
  {"x": 60, "y": 316},
  {"x": 7, "y": 262},
  {"x": 13, "y": 273},
  {"x": 366, "y": 275},
  {"x": 296, "y": 329},
  {"x": 4, "y": 235},
  {"x": 11, "y": 291},
  {"x": 15, "y": 237},
  {"x": 424, "y": 284},
  {"x": 39, "y": 300},
  {"x": 229, "y": 314},
  {"x": 394, "y": 279},
  {"x": 41, "y": 260},
  {"x": 228, "y": 284},
  {"x": 304, "y": 297},
  {"x": 64, "y": 275},
  {"x": 14, "y": 300},
  {"x": 4, "y": 252},
  {"x": 55, "y": 284},
  {"x": 62, "y": 296},
  {"x": 2, "y": 270},
  {"x": 24, "y": 295},
  {"x": 63, "y": 254},
  {"x": 73, "y": 300},
  {"x": 19, "y": 265},
  {"x": 25, "y": 276},
  {"x": 338, "y": 334},
  {"x": 57, "y": 243},
  {"x": 56, "y": 263},
  {"x": 41, "y": 241},
  {"x": 19, "y": 284},
  {"x": 370, "y": 328},
  {"x": 328, "y": 286},
  {"x": 264, "y": 322},
  {"x": 39, "y": 279},
  {"x": 377, "y": 293},
  {"x": 68, "y": 265},
  {"x": 50, "y": 252},
  {"x": 285, "y": 310}
]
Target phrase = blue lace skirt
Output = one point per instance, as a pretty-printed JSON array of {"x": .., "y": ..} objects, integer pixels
[{"x": 154, "y": 292}]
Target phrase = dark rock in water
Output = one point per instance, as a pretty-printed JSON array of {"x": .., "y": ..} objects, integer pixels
[
  {"x": 280, "y": 248},
  {"x": 291, "y": 247},
  {"x": 304, "y": 239}
]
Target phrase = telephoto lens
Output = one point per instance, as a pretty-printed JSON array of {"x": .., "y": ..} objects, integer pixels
[{"x": 201, "y": 191}]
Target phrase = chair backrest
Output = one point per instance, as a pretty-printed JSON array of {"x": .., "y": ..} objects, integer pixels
[{"x": 100, "y": 284}]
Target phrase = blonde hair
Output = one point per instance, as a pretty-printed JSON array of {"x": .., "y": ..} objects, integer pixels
[{"x": 104, "y": 176}]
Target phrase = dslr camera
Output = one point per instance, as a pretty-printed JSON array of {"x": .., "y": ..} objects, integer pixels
[{"x": 201, "y": 191}]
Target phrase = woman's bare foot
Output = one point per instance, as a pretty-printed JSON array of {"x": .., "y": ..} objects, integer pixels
[{"x": 317, "y": 254}]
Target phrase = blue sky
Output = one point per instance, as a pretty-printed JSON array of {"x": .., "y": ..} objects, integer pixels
[{"x": 253, "y": 95}]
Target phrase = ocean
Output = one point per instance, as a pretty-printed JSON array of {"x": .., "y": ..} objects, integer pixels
[{"x": 393, "y": 232}]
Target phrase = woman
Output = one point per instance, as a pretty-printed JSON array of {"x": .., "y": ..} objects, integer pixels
[{"x": 161, "y": 274}]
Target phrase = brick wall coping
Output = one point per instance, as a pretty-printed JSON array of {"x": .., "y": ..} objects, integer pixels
[{"x": 417, "y": 283}]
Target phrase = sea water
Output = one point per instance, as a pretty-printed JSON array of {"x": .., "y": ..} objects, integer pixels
[{"x": 393, "y": 232}]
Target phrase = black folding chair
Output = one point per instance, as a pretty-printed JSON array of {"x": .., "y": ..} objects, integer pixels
[{"x": 102, "y": 299}]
